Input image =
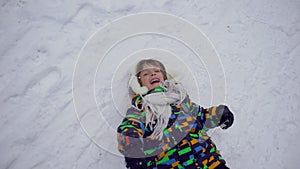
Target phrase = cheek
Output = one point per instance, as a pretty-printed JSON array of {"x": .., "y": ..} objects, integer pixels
[
  {"x": 162, "y": 77},
  {"x": 143, "y": 81}
]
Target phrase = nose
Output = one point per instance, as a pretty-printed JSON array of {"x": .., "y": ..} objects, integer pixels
[{"x": 153, "y": 73}]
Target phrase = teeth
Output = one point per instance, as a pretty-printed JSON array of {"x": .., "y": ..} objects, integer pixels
[{"x": 154, "y": 80}]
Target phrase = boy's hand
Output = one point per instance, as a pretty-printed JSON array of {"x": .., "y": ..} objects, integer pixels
[{"x": 227, "y": 117}]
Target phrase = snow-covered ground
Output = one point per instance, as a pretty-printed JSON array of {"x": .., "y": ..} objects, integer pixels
[{"x": 258, "y": 44}]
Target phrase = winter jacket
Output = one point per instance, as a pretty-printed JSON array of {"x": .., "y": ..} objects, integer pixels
[{"x": 185, "y": 144}]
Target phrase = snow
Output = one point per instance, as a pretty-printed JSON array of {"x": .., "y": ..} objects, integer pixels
[{"x": 257, "y": 42}]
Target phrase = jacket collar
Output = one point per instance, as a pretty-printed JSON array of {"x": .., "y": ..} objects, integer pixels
[{"x": 137, "y": 98}]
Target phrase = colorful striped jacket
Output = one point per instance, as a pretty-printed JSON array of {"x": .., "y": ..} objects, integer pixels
[{"x": 185, "y": 144}]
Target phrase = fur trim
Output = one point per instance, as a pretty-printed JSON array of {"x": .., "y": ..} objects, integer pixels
[
  {"x": 174, "y": 75},
  {"x": 136, "y": 87}
]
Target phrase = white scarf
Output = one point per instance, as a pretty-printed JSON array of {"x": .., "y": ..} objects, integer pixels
[{"x": 157, "y": 106}]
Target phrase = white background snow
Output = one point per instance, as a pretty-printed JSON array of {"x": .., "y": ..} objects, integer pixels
[{"x": 258, "y": 43}]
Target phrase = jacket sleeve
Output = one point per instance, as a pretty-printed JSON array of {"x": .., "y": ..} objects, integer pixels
[
  {"x": 130, "y": 134},
  {"x": 210, "y": 117}
]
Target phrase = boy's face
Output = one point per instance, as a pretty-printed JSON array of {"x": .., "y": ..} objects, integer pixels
[{"x": 151, "y": 76}]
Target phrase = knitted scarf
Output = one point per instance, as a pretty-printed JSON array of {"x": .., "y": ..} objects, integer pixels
[{"x": 158, "y": 109}]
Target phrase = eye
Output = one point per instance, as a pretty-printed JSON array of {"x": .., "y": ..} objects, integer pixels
[{"x": 145, "y": 74}]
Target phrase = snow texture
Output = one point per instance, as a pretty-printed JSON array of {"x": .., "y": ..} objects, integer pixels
[{"x": 258, "y": 44}]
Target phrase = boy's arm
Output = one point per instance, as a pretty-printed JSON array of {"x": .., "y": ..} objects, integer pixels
[
  {"x": 216, "y": 116},
  {"x": 130, "y": 134}
]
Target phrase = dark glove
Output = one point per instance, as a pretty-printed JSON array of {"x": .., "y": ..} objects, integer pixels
[
  {"x": 227, "y": 117},
  {"x": 134, "y": 163},
  {"x": 138, "y": 163}
]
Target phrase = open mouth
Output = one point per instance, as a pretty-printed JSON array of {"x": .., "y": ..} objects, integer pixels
[{"x": 155, "y": 80}]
